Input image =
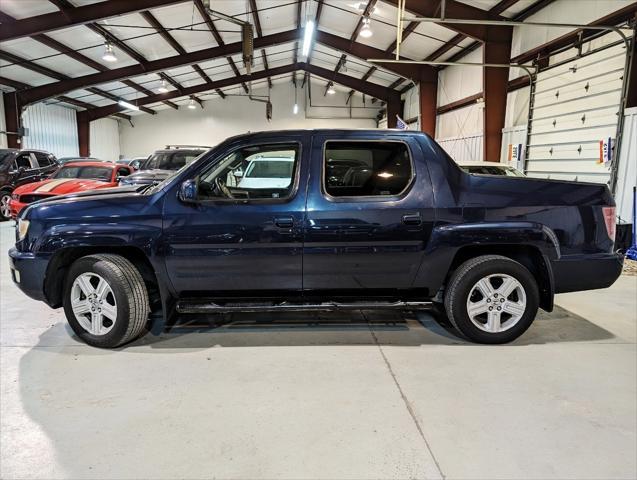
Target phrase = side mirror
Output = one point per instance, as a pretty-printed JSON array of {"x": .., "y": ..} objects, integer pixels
[
  {"x": 188, "y": 191},
  {"x": 238, "y": 173}
]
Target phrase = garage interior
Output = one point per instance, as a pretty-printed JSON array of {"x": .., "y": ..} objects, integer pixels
[{"x": 363, "y": 394}]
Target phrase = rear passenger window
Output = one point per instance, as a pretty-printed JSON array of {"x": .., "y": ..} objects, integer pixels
[{"x": 363, "y": 169}]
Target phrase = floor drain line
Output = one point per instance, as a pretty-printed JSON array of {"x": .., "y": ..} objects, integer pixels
[{"x": 402, "y": 395}]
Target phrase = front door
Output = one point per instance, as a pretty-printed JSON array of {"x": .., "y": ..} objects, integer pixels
[
  {"x": 369, "y": 214},
  {"x": 245, "y": 232}
]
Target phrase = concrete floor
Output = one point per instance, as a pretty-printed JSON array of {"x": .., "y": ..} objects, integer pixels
[{"x": 354, "y": 396}]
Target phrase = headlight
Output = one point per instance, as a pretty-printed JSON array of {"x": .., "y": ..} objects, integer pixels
[
  {"x": 23, "y": 228},
  {"x": 15, "y": 196}
]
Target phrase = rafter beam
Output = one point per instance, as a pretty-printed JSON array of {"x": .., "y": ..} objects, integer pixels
[
  {"x": 255, "y": 18},
  {"x": 78, "y": 16},
  {"x": 53, "y": 89},
  {"x": 264, "y": 57},
  {"x": 370, "y": 89}
]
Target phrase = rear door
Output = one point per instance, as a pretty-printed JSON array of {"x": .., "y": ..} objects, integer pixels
[
  {"x": 26, "y": 168},
  {"x": 46, "y": 164},
  {"x": 369, "y": 213}
]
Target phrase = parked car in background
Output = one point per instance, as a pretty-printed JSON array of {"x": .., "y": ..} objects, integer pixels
[
  {"x": 135, "y": 162},
  {"x": 401, "y": 227},
  {"x": 70, "y": 178},
  {"x": 490, "y": 168},
  {"x": 163, "y": 163},
  {"x": 18, "y": 167},
  {"x": 65, "y": 160}
]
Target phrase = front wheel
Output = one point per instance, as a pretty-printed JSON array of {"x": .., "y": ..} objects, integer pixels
[
  {"x": 5, "y": 209},
  {"x": 492, "y": 299},
  {"x": 105, "y": 300}
]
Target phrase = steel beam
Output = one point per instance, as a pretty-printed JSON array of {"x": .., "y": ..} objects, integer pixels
[
  {"x": 48, "y": 22},
  {"x": 12, "y": 118},
  {"x": 428, "y": 99},
  {"x": 393, "y": 109},
  {"x": 497, "y": 49},
  {"x": 42, "y": 92},
  {"x": 83, "y": 133}
]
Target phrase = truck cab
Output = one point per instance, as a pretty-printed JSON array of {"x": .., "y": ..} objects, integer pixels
[{"x": 318, "y": 220}]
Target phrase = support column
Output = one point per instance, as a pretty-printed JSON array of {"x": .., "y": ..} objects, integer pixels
[
  {"x": 428, "y": 94},
  {"x": 497, "y": 49},
  {"x": 83, "y": 133},
  {"x": 393, "y": 109},
  {"x": 13, "y": 119}
]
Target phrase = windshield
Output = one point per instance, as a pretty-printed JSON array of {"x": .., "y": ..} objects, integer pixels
[
  {"x": 488, "y": 170},
  {"x": 172, "y": 160},
  {"x": 270, "y": 169},
  {"x": 89, "y": 173}
]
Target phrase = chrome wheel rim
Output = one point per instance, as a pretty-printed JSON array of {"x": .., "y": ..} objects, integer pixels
[
  {"x": 93, "y": 303},
  {"x": 4, "y": 205},
  {"x": 496, "y": 303}
]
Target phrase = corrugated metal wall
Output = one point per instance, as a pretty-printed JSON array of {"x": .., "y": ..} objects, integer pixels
[
  {"x": 627, "y": 172},
  {"x": 51, "y": 128},
  {"x": 463, "y": 149},
  {"x": 104, "y": 135}
]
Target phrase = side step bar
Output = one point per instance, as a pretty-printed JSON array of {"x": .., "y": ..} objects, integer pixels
[{"x": 207, "y": 306}]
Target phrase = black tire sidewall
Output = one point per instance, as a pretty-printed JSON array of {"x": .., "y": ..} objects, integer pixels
[
  {"x": 105, "y": 270},
  {"x": 464, "y": 285}
]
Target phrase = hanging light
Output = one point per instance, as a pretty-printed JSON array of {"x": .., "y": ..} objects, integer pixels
[
  {"x": 109, "y": 53},
  {"x": 127, "y": 105},
  {"x": 366, "y": 31},
  {"x": 330, "y": 90},
  {"x": 192, "y": 105},
  {"x": 295, "y": 109},
  {"x": 163, "y": 88}
]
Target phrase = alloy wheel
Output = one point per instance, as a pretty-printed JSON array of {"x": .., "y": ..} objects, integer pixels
[
  {"x": 496, "y": 303},
  {"x": 5, "y": 210},
  {"x": 93, "y": 303}
]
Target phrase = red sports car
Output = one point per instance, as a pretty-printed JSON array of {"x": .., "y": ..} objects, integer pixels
[{"x": 73, "y": 177}]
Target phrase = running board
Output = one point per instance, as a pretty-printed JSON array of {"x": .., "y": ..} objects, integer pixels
[{"x": 207, "y": 306}]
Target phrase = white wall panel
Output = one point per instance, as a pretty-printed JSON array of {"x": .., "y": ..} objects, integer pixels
[
  {"x": 571, "y": 11},
  {"x": 411, "y": 107},
  {"x": 517, "y": 112},
  {"x": 464, "y": 122},
  {"x": 513, "y": 136},
  {"x": 104, "y": 139},
  {"x": 235, "y": 115},
  {"x": 458, "y": 82},
  {"x": 52, "y": 128},
  {"x": 463, "y": 149},
  {"x": 3, "y": 125}
]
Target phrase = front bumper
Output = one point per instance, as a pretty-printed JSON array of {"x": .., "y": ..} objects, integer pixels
[
  {"x": 16, "y": 207},
  {"x": 28, "y": 271},
  {"x": 574, "y": 273}
]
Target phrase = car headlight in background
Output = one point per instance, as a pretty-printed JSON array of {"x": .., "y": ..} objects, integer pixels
[{"x": 23, "y": 228}]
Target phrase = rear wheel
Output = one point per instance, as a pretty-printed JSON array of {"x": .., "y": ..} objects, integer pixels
[
  {"x": 492, "y": 299},
  {"x": 105, "y": 300},
  {"x": 5, "y": 210}
]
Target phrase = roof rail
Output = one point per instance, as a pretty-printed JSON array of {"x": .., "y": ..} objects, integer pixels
[{"x": 176, "y": 147}]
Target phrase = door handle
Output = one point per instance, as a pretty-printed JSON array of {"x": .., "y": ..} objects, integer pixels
[
  {"x": 413, "y": 219},
  {"x": 284, "y": 222}
]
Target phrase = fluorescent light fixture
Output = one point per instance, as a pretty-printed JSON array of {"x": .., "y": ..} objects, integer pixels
[
  {"x": 163, "y": 88},
  {"x": 366, "y": 31},
  {"x": 109, "y": 53},
  {"x": 307, "y": 37},
  {"x": 192, "y": 105},
  {"x": 295, "y": 109},
  {"x": 127, "y": 105},
  {"x": 330, "y": 90}
]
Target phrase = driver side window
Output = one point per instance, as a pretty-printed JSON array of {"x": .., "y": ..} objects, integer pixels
[
  {"x": 23, "y": 161},
  {"x": 255, "y": 172}
]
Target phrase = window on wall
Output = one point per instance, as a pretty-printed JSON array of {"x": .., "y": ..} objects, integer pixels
[
  {"x": 363, "y": 169},
  {"x": 254, "y": 172}
]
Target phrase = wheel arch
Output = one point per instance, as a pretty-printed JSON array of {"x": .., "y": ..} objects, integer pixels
[{"x": 63, "y": 258}]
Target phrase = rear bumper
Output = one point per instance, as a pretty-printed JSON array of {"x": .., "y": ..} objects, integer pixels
[
  {"x": 586, "y": 272},
  {"x": 28, "y": 271}
]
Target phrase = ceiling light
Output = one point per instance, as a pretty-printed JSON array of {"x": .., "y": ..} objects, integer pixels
[
  {"x": 307, "y": 37},
  {"x": 330, "y": 90},
  {"x": 295, "y": 109},
  {"x": 127, "y": 105},
  {"x": 163, "y": 88},
  {"x": 361, "y": 6},
  {"x": 109, "y": 53},
  {"x": 192, "y": 105},
  {"x": 366, "y": 31}
]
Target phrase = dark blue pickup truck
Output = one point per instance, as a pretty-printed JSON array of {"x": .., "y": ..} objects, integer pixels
[{"x": 318, "y": 220}]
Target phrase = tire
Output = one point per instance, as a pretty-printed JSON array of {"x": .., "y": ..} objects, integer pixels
[
  {"x": 498, "y": 311},
  {"x": 5, "y": 213},
  {"x": 125, "y": 291}
]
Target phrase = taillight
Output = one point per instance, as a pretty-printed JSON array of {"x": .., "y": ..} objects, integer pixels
[{"x": 610, "y": 221}]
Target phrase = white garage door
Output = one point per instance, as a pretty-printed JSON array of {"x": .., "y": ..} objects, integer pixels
[{"x": 576, "y": 105}]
